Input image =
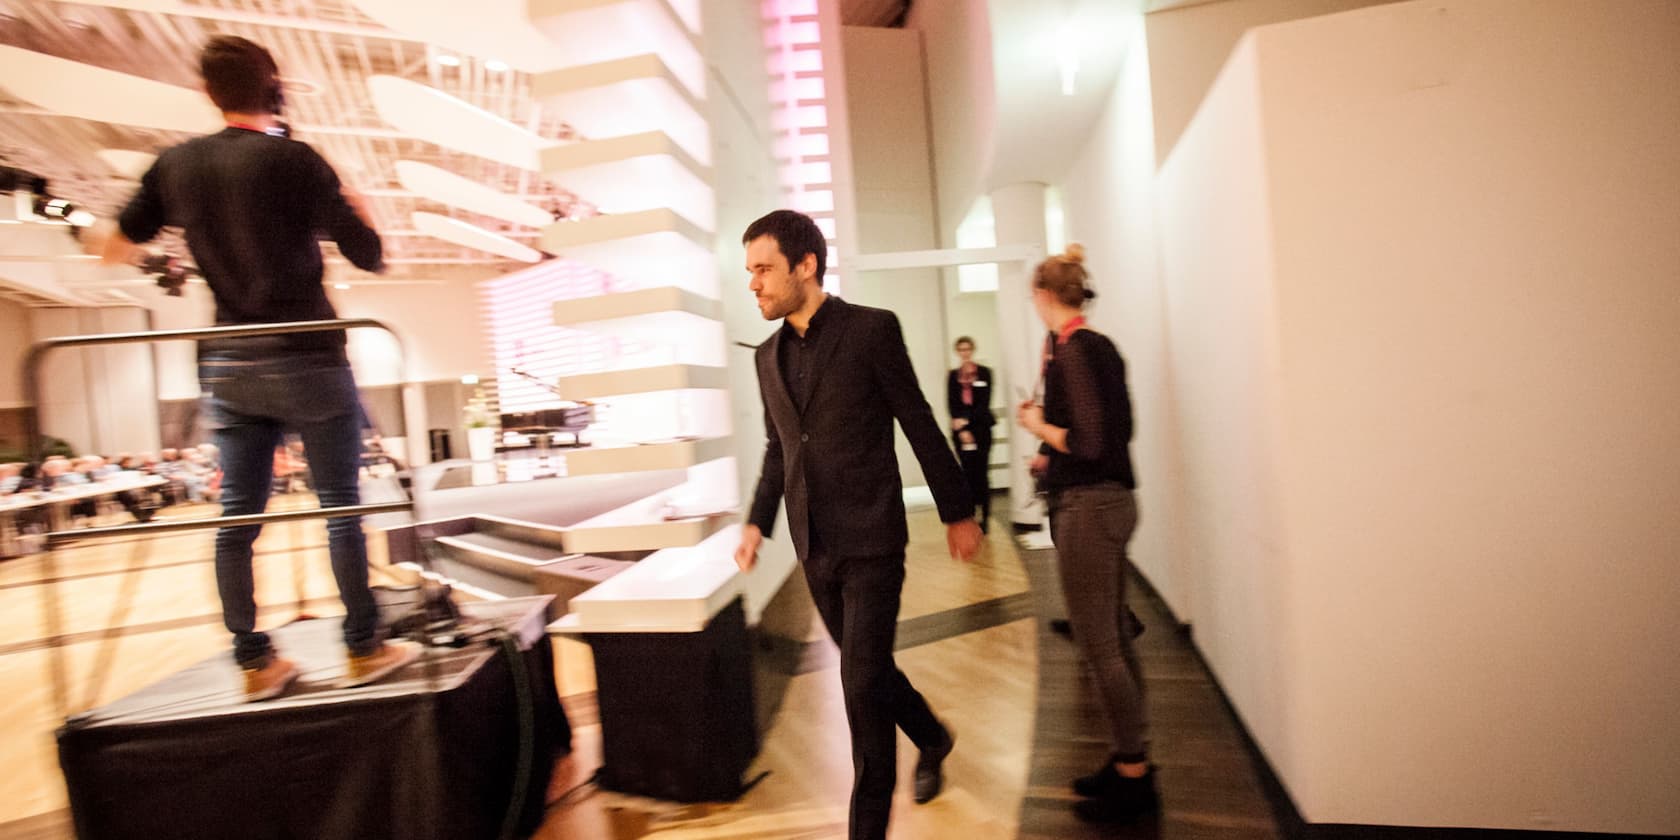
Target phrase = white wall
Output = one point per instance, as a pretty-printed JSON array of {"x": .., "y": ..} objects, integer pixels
[
  {"x": 441, "y": 328},
  {"x": 90, "y": 395},
  {"x": 178, "y": 360},
  {"x": 1110, "y": 206},
  {"x": 962, "y": 99},
  {"x": 744, "y": 168},
  {"x": 1417, "y": 264},
  {"x": 893, "y": 186},
  {"x": 14, "y": 346},
  {"x": 1189, "y": 43},
  {"x": 1475, "y": 220},
  {"x": 1228, "y": 560}
]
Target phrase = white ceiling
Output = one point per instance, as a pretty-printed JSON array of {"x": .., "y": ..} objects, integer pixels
[{"x": 327, "y": 49}]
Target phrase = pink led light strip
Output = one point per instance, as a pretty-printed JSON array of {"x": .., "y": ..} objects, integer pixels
[
  {"x": 518, "y": 311},
  {"x": 799, "y": 115}
]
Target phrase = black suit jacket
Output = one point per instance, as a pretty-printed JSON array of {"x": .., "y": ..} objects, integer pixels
[
  {"x": 980, "y": 419},
  {"x": 834, "y": 463}
]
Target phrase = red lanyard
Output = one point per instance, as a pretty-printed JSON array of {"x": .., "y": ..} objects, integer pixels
[
  {"x": 247, "y": 127},
  {"x": 1067, "y": 329}
]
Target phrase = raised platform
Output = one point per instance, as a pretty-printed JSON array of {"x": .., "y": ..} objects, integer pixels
[{"x": 444, "y": 749}]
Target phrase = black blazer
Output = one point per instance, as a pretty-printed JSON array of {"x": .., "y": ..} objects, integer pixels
[
  {"x": 980, "y": 419},
  {"x": 835, "y": 463}
]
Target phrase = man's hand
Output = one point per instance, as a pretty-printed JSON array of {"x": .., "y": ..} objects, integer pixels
[
  {"x": 959, "y": 423},
  {"x": 746, "y": 554},
  {"x": 963, "y": 538},
  {"x": 966, "y": 437},
  {"x": 106, "y": 241},
  {"x": 1039, "y": 465}
]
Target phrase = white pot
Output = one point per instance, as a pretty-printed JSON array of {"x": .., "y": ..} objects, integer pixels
[{"x": 481, "y": 443}]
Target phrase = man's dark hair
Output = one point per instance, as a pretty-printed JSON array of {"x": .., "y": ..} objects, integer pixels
[
  {"x": 796, "y": 235},
  {"x": 240, "y": 76}
]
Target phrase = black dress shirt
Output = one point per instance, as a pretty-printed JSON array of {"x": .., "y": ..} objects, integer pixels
[{"x": 797, "y": 357}]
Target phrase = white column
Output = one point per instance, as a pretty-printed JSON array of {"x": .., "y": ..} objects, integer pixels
[
  {"x": 1018, "y": 216},
  {"x": 417, "y": 443}
]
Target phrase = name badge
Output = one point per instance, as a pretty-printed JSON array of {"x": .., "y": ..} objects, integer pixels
[{"x": 979, "y": 383}]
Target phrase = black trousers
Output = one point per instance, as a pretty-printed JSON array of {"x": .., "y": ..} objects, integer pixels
[
  {"x": 857, "y": 598},
  {"x": 977, "y": 468}
]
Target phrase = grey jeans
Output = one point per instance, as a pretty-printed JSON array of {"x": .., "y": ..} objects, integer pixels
[{"x": 1091, "y": 525}]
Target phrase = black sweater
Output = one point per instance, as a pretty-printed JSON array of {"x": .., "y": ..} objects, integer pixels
[
  {"x": 1085, "y": 393},
  {"x": 253, "y": 206}
]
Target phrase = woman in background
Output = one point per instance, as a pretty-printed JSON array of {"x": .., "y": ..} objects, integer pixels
[
  {"x": 968, "y": 395},
  {"x": 1085, "y": 424}
]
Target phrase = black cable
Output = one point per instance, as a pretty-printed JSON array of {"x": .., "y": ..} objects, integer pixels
[{"x": 527, "y": 734}]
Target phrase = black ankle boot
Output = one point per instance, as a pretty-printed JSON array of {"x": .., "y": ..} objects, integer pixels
[
  {"x": 1123, "y": 800},
  {"x": 1099, "y": 783}
]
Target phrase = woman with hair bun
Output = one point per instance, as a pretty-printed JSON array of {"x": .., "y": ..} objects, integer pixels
[{"x": 1085, "y": 423}]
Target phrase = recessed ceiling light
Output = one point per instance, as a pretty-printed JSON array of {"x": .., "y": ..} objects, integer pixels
[
  {"x": 448, "y": 60},
  {"x": 496, "y": 66},
  {"x": 341, "y": 286}
]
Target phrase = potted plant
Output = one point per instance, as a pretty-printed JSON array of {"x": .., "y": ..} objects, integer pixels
[{"x": 481, "y": 435}]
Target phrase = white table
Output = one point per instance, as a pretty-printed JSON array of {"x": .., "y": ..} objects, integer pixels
[{"x": 58, "y": 500}]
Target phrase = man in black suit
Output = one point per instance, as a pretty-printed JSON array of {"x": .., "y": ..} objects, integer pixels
[{"x": 833, "y": 379}]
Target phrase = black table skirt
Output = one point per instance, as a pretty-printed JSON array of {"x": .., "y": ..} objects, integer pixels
[{"x": 437, "y": 751}]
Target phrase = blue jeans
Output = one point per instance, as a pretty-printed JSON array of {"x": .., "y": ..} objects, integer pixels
[{"x": 249, "y": 405}]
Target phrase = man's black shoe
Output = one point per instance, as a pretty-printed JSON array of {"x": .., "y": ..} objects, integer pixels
[
  {"x": 930, "y": 778},
  {"x": 1126, "y": 801}
]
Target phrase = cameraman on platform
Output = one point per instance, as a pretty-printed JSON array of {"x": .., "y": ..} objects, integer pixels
[{"x": 252, "y": 204}]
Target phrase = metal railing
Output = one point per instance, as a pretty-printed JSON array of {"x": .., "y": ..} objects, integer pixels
[{"x": 37, "y": 446}]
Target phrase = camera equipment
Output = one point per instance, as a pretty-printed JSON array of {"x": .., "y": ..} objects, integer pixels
[{"x": 170, "y": 273}]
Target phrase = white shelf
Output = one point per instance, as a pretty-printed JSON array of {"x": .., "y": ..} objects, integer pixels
[
  {"x": 674, "y": 455},
  {"x": 674, "y": 590},
  {"x": 663, "y": 315},
  {"x": 638, "y": 526},
  {"x": 594, "y": 386},
  {"x": 647, "y": 248},
  {"x": 635, "y": 172},
  {"x": 585, "y": 538},
  {"x": 593, "y": 31},
  {"x": 626, "y": 96}
]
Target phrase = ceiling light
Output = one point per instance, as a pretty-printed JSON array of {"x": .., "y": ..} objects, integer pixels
[
  {"x": 341, "y": 286},
  {"x": 496, "y": 66},
  {"x": 1067, "y": 59},
  {"x": 448, "y": 60},
  {"x": 60, "y": 210}
]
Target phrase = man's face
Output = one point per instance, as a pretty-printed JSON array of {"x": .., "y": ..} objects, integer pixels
[{"x": 781, "y": 291}]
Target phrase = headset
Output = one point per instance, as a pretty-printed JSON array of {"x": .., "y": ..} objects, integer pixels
[{"x": 275, "y": 101}]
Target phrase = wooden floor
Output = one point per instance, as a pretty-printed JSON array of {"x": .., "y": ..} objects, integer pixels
[
  {"x": 963, "y": 647},
  {"x": 1209, "y": 790},
  {"x": 93, "y": 624}
]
